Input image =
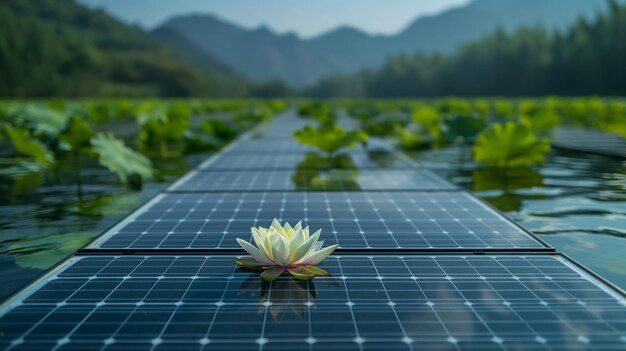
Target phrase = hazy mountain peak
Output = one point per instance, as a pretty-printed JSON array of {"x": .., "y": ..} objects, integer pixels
[{"x": 263, "y": 54}]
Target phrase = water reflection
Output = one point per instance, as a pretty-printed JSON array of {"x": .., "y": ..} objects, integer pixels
[
  {"x": 504, "y": 181},
  {"x": 316, "y": 161},
  {"x": 284, "y": 297}
]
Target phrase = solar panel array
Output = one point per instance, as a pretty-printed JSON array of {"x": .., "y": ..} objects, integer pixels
[
  {"x": 356, "y": 220},
  {"x": 368, "y": 302},
  {"x": 420, "y": 265}
]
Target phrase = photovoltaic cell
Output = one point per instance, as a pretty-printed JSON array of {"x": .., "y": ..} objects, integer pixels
[
  {"x": 506, "y": 302},
  {"x": 278, "y": 180},
  {"x": 291, "y": 161},
  {"x": 355, "y": 220}
]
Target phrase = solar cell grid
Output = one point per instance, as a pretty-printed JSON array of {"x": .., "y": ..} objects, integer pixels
[
  {"x": 355, "y": 220},
  {"x": 369, "y": 302},
  {"x": 311, "y": 180}
]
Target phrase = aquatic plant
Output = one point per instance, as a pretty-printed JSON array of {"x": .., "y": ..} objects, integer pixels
[
  {"x": 130, "y": 166},
  {"x": 464, "y": 128},
  {"x": 510, "y": 145},
  {"x": 329, "y": 138},
  {"x": 26, "y": 145},
  {"x": 283, "y": 248}
]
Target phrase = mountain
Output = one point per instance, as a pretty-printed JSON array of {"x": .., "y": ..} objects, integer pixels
[
  {"x": 261, "y": 54},
  {"x": 587, "y": 58},
  {"x": 61, "y": 48}
]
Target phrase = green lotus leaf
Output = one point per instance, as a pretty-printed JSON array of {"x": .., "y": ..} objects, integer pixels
[
  {"x": 41, "y": 120},
  {"x": 329, "y": 138},
  {"x": 120, "y": 159},
  {"x": 77, "y": 134},
  {"x": 26, "y": 145},
  {"x": 510, "y": 145},
  {"x": 464, "y": 127}
]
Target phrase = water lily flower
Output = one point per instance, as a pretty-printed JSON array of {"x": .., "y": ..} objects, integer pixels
[{"x": 281, "y": 248}]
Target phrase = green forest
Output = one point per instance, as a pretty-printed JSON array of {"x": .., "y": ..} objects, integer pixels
[
  {"x": 60, "y": 48},
  {"x": 587, "y": 59}
]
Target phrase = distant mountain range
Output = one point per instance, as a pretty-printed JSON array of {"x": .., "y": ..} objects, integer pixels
[{"x": 262, "y": 55}]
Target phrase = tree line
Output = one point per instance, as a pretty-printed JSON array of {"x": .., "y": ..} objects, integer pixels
[{"x": 589, "y": 58}]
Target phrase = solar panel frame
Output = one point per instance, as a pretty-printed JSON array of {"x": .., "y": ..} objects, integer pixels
[
  {"x": 331, "y": 234},
  {"x": 429, "y": 278},
  {"x": 282, "y": 180}
]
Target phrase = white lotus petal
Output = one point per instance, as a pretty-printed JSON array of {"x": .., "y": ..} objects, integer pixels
[
  {"x": 318, "y": 245},
  {"x": 266, "y": 248},
  {"x": 254, "y": 252},
  {"x": 317, "y": 256},
  {"x": 287, "y": 227},
  {"x": 302, "y": 250},
  {"x": 257, "y": 236},
  {"x": 296, "y": 238},
  {"x": 276, "y": 225},
  {"x": 306, "y": 232},
  {"x": 280, "y": 250},
  {"x": 298, "y": 226},
  {"x": 317, "y": 234}
]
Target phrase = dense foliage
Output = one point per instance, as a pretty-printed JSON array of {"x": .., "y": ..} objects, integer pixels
[
  {"x": 588, "y": 58},
  {"x": 60, "y": 48},
  {"x": 123, "y": 135}
]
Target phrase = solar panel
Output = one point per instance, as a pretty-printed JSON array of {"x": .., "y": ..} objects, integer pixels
[
  {"x": 283, "y": 180},
  {"x": 506, "y": 302},
  {"x": 350, "y": 160},
  {"x": 354, "y": 220}
]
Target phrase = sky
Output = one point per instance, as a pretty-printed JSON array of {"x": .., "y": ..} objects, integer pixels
[{"x": 306, "y": 18}]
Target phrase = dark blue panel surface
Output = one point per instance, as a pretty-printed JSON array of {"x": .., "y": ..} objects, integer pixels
[
  {"x": 368, "y": 303},
  {"x": 356, "y": 220}
]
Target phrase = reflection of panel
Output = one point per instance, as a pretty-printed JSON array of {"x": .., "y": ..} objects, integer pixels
[
  {"x": 377, "y": 302},
  {"x": 391, "y": 179},
  {"x": 355, "y": 220}
]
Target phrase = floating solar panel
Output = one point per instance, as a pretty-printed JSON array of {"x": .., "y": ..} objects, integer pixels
[
  {"x": 282, "y": 180},
  {"x": 506, "y": 302},
  {"x": 590, "y": 141},
  {"x": 290, "y": 161},
  {"x": 353, "y": 220}
]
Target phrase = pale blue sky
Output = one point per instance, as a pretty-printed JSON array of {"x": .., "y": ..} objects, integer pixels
[{"x": 305, "y": 17}]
